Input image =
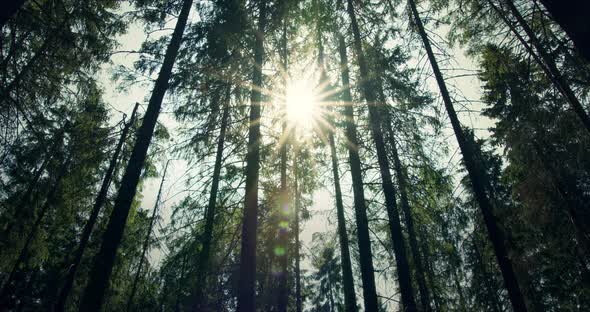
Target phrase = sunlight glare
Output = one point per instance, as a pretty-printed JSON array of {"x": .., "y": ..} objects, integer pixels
[{"x": 301, "y": 103}]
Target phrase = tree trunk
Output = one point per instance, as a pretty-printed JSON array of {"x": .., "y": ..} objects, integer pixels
[
  {"x": 476, "y": 175},
  {"x": 24, "y": 252},
  {"x": 368, "y": 88},
  {"x": 247, "y": 277},
  {"x": 362, "y": 223},
  {"x": 408, "y": 216},
  {"x": 298, "y": 299},
  {"x": 347, "y": 278},
  {"x": 146, "y": 242},
  {"x": 105, "y": 258},
  {"x": 205, "y": 254},
  {"x": 546, "y": 61},
  {"x": 284, "y": 204},
  {"x": 572, "y": 16},
  {"x": 98, "y": 203}
]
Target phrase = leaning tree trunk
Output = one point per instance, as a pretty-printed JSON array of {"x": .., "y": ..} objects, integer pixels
[
  {"x": 105, "y": 258},
  {"x": 362, "y": 222},
  {"x": 146, "y": 242},
  {"x": 476, "y": 175},
  {"x": 368, "y": 87},
  {"x": 205, "y": 254},
  {"x": 98, "y": 203},
  {"x": 247, "y": 275},
  {"x": 544, "y": 60},
  {"x": 24, "y": 252},
  {"x": 572, "y": 16},
  {"x": 408, "y": 216}
]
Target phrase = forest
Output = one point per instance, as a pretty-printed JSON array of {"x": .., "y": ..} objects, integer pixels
[{"x": 294, "y": 155}]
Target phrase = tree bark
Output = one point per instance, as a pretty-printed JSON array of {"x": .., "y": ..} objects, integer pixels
[
  {"x": 104, "y": 260},
  {"x": 247, "y": 277},
  {"x": 205, "y": 254},
  {"x": 98, "y": 203},
  {"x": 347, "y": 278},
  {"x": 368, "y": 88},
  {"x": 572, "y": 16},
  {"x": 408, "y": 216},
  {"x": 476, "y": 175},
  {"x": 146, "y": 242},
  {"x": 362, "y": 223}
]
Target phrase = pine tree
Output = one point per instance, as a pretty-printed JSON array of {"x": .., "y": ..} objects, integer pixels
[
  {"x": 247, "y": 280},
  {"x": 103, "y": 264},
  {"x": 475, "y": 174},
  {"x": 362, "y": 223},
  {"x": 98, "y": 204},
  {"x": 403, "y": 269}
]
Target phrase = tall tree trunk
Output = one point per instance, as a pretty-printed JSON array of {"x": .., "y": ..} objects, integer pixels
[
  {"x": 572, "y": 16},
  {"x": 362, "y": 223},
  {"x": 408, "y": 216},
  {"x": 476, "y": 175},
  {"x": 347, "y": 278},
  {"x": 368, "y": 88},
  {"x": 146, "y": 242},
  {"x": 205, "y": 254},
  {"x": 284, "y": 204},
  {"x": 298, "y": 298},
  {"x": 98, "y": 203},
  {"x": 24, "y": 252},
  {"x": 545, "y": 60},
  {"x": 247, "y": 279},
  {"x": 105, "y": 258},
  {"x": 8, "y": 9}
]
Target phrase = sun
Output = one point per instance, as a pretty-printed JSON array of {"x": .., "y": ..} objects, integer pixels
[{"x": 302, "y": 106}]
